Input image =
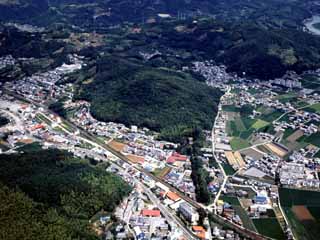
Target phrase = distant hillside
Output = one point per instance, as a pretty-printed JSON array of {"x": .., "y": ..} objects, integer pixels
[
  {"x": 271, "y": 13},
  {"x": 156, "y": 98},
  {"x": 246, "y": 48}
]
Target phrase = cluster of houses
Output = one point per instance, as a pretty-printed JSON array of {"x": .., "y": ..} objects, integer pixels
[
  {"x": 6, "y": 61},
  {"x": 289, "y": 80},
  {"x": 82, "y": 117},
  {"x": 301, "y": 120},
  {"x": 299, "y": 175},
  {"x": 41, "y": 87},
  {"x": 212, "y": 73},
  {"x": 145, "y": 218},
  {"x": 37, "y": 126}
]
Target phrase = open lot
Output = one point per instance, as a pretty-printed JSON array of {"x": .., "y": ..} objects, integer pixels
[
  {"x": 295, "y": 136},
  {"x": 277, "y": 150},
  {"x": 117, "y": 145},
  {"x": 302, "y": 213},
  {"x": 252, "y": 153}
]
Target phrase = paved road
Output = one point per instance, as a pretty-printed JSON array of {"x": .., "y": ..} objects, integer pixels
[
  {"x": 225, "y": 177},
  {"x": 168, "y": 215}
]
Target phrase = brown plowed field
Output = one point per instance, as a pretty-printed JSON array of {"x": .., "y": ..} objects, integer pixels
[{"x": 302, "y": 213}]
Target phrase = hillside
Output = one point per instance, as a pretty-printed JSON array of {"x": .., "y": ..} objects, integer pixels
[
  {"x": 53, "y": 195},
  {"x": 272, "y": 13},
  {"x": 261, "y": 53},
  {"x": 157, "y": 98}
]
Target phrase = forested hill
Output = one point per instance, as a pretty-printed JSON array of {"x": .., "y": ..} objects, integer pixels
[
  {"x": 158, "y": 98},
  {"x": 49, "y": 194}
]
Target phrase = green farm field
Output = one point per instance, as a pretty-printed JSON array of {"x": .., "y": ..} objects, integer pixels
[
  {"x": 306, "y": 225},
  {"x": 269, "y": 227}
]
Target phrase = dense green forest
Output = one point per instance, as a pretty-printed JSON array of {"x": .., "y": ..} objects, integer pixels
[
  {"x": 157, "y": 98},
  {"x": 49, "y": 194},
  {"x": 58, "y": 108},
  {"x": 3, "y": 121},
  {"x": 200, "y": 176}
]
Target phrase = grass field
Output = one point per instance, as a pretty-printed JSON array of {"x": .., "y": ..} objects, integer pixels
[
  {"x": 260, "y": 124},
  {"x": 238, "y": 143},
  {"x": 230, "y": 108},
  {"x": 247, "y": 222},
  {"x": 231, "y": 200},
  {"x": 290, "y": 197},
  {"x": 286, "y": 96},
  {"x": 313, "y": 108},
  {"x": 239, "y": 124},
  {"x": 271, "y": 116},
  {"x": 232, "y": 129},
  {"x": 228, "y": 169},
  {"x": 269, "y": 227}
]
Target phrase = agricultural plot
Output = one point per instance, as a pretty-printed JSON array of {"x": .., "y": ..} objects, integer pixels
[
  {"x": 236, "y": 205},
  {"x": 315, "y": 108},
  {"x": 269, "y": 227},
  {"x": 228, "y": 169},
  {"x": 271, "y": 116},
  {"x": 230, "y": 108},
  {"x": 312, "y": 139},
  {"x": 239, "y": 143},
  {"x": 246, "y": 221},
  {"x": 310, "y": 81},
  {"x": 303, "y": 211},
  {"x": 277, "y": 150},
  {"x": 260, "y": 124},
  {"x": 286, "y": 97},
  {"x": 295, "y": 135},
  {"x": 252, "y": 153}
]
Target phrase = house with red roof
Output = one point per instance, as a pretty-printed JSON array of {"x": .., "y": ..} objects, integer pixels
[
  {"x": 150, "y": 213},
  {"x": 176, "y": 157},
  {"x": 173, "y": 196},
  {"x": 200, "y": 231}
]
